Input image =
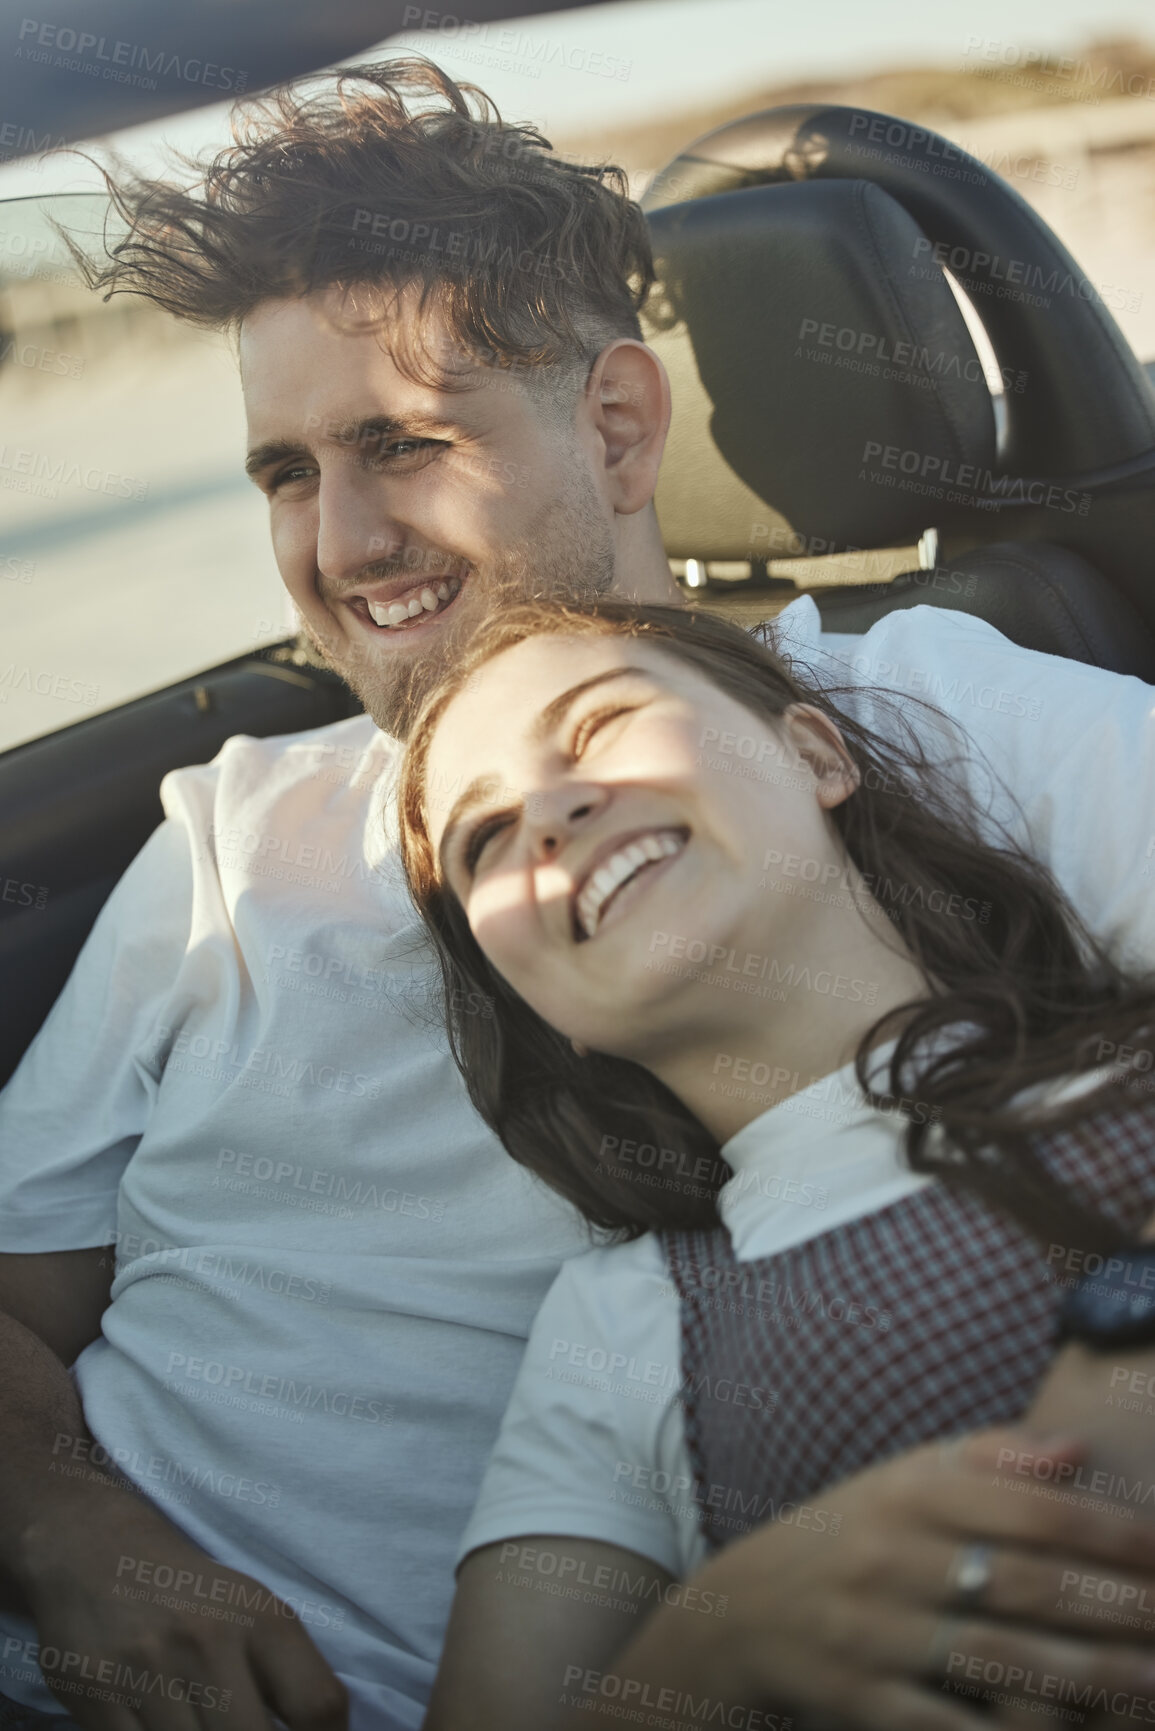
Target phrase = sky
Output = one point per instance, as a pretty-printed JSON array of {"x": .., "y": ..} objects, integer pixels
[{"x": 574, "y": 71}]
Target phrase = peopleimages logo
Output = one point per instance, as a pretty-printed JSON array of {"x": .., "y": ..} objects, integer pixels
[
  {"x": 1044, "y": 1469},
  {"x": 304, "y": 1396},
  {"x": 751, "y": 1507},
  {"x": 28, "y": 470},
  {"x": 228, "y": 1061},
  {"x": 1017, "y": 278},
  {"x": 147, "y": 1470},
  {"x": 506, "y": 39},
  {"x": 756, "y": 966},
  {"x": 906, "y": 357},
  {"x": 649, "y": 1379},
  {"x": 220, "y": 1590},
  {"x": 118, "y": 60},
  {"x": 665, "y": 1706},
  {"x": 974, "y": 483},
  {"x": 303, "y": 856}
]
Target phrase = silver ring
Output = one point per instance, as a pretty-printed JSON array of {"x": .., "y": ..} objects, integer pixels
[{"x": 969, "y": 1576}]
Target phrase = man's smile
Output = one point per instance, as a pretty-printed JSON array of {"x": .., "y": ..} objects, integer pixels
[{"x": 403, "y": 604}]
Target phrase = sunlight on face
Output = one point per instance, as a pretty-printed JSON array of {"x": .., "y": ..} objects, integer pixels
[
  {"x": 402, "y": 514},
  {"x": 582, "y": 822}
]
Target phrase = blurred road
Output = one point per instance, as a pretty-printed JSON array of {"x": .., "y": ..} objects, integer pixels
[
  {"x": 140, "y": 552},
  {"x": 132, "y": 550}
]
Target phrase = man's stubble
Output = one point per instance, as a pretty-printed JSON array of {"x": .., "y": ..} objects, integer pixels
[{"x": 568, "y": 553}]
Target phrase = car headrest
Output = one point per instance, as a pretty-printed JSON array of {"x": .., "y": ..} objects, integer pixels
[
  {"x": 809, "y": 353},
  {"x": 1086, "y": 405}
]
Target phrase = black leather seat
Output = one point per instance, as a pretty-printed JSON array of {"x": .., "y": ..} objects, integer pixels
[
  {"x": 79, "y": 804},
  {"x": 1040, "y": 595},
  {"x": 828, "y": 394}
]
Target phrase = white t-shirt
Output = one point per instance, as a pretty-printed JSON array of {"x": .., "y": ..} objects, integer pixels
[
  {"x": 593, "y": 1444},
  {"x": 1060, "y": 755},
  {"x": 327, "y": 1267}
]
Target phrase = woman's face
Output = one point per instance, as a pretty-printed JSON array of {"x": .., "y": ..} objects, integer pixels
[{"x": 604, "y": 815}]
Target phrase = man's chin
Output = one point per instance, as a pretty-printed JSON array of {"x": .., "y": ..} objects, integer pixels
[
  {"x": 394, "y": 682},
  {"x": 568, "y": 552}
]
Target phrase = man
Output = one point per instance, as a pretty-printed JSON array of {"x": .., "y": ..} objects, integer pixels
[{"x": 324, "y": 1268}]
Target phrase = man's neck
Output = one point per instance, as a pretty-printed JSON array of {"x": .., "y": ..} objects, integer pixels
[{"x": 641, "y": 569}]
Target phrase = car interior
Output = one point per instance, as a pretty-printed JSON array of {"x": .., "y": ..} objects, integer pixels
[{"x": 835, "y": 432}]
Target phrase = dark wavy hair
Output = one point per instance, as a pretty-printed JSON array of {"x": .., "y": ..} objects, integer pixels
[
  {"x": 1036, "y": 997},
  {"x": 384, "y": 177}
]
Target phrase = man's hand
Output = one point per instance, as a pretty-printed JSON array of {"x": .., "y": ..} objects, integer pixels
[
  {"x": 1108, "y": 1401},
  {"x": 106, "y": 1638},
  {"x": 861, "y": 1627},
  {"x": 64, "y": 1541}
]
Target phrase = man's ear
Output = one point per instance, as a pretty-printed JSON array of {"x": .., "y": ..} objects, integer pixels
[
  {"x": 627, "y": 402},
  {"x": 820, "y": 745}
]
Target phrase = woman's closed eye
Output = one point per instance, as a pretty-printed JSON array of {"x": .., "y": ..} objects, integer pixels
[
  {"x": 488, "y": 828},
  {"x": 480, "y": 837},
  {"x": 591, "y": 724}
]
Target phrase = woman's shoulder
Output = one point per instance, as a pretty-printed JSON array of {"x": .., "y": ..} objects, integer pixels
[
  {"x": 606, "y": 1274},
  {"x": 608, "y": 1306},
  {"x": 594, "y": 1425}
]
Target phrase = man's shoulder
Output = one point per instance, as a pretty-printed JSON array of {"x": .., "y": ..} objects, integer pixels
[
  {"x": 356, "y": 744},
  {"x": 351, "y": 754},
  {"x": 799, "y": 633}
]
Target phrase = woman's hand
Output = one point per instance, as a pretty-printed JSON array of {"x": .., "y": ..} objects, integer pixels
[{"x": 851, "y": 1615}]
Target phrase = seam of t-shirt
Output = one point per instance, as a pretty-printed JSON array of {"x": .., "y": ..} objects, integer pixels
[
  {"x": 13, "y": 1210},
  {"x": 573, "y": 1521}
]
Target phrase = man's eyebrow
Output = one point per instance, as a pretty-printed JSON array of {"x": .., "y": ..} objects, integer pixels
[
  {"x": 262, "y": 457},
  {"x": 554, "y": 712},
  {"x": 354, "y": 434}
]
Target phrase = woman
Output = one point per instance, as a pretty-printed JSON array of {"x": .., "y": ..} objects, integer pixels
[{"x": 760, "y": 988}]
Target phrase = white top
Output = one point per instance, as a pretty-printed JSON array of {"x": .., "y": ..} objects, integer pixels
[
  {"x": 327, "y": 1268},
  {"x": 593, "y": 1444},
  {"x": 326, "y": 1265}
]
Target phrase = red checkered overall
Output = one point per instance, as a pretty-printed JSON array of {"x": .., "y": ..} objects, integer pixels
[{"x": 925, "y": 1319}]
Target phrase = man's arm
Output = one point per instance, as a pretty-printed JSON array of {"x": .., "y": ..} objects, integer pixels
[
  {"x": 63, "y": 1537},
  {"x": 70, "y": 1119},
  {"x": 50, "y": 1309},
  {"x": 60, "y": 1295}
]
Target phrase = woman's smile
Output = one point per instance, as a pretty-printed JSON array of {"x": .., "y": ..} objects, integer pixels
[
  {"x": 619, "y": 869},
  {"x": 592, "y": 826}
]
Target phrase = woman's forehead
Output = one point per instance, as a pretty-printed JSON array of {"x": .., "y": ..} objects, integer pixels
[
  {"x": 500, "y": 705},
  {"x": 506, "y": 695},
  {"x": 549, "y": 656}
]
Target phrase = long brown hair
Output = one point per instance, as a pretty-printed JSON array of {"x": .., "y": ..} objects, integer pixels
[{"x": 1028, "y": 995}]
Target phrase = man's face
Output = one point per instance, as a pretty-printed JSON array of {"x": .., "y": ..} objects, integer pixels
[{"x": 402, "y": 513}]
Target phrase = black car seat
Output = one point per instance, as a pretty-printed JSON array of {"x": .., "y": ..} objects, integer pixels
[{"x": 828, "y": 394}]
